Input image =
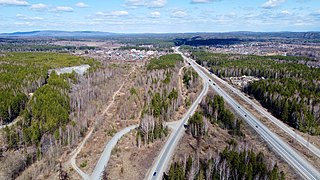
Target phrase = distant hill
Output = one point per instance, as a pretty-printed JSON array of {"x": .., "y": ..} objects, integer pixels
[
  {"x": 200, "y": 38},
  {"x": 57, "y": 34}
]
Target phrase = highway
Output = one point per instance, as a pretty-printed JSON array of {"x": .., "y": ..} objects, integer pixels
[
  {"x": 162, "y": 161},
  {"x": 273, "y": 119},
  {"x": 301, "y": 165}
]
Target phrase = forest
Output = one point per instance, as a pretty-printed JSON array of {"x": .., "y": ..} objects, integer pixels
[
  {"x": 200, "y": 41},
  {"x": 162, "y": 98},
  {"x": 212, "y": 110},
  {"x": 57, "y": 114},
  {"x": 23, "y": 73},
  {"x": 47, "y": 110},
  {"x": 289, "y": 88},
  {"x": 233, "y": 163},
  {"x": 164, "y": 62},
  {"x": 213, "y": 107},
  {"x": 190, "y": 77},
  {"x": 40, "y": 48}
]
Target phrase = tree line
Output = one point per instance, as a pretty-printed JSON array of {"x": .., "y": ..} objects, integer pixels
[
  {"x": 213, "y": 108},
  {"x": 41, "y": 48},
  {"x": 23, "y": 73},
  {"x": 163, "y": 62},
  {"x": 47, "y": 110},
  {"x": 190, "y": 77},
  {"x": 232, "y": 163},
  {"x": 161, "y": 97}
]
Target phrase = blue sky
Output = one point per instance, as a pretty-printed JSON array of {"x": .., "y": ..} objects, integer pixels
[{"x": 160, "y": 16}]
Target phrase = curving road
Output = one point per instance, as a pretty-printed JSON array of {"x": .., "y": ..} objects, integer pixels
[
  {"x": 80, "y": 146},
  {"x": 104, "y": 158},
  {"x": 162, "y": 161},
  {"x": 282, "y": 148}
]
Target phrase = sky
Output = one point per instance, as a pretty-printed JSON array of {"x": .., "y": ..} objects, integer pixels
[{"x": 160, "y": 16}]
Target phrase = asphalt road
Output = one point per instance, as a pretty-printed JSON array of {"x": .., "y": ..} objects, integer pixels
[
  {"x": 300, "y": 164},
  {"x": 74, "y": 154},
  {"x": 162, "y": 161},
  {"x": 273, "y": 119},
  {"x": 104, "y": 158}
]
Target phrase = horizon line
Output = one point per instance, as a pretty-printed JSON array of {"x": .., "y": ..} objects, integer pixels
[{"x": 191, "y": 32}]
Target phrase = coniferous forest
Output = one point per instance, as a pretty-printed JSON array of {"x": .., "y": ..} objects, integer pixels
[{"x": 41, "y": 100}]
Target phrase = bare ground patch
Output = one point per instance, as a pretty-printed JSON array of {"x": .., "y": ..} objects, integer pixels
[
  {"x": 130, "y": 162},
  {"x": 111, "y": 123}
]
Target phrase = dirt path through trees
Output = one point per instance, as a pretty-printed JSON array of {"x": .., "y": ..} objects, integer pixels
[{"x": 74, "y": 154}]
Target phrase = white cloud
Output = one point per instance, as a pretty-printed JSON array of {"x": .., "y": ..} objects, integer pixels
[
  {"x": 179, "y": 14},
  {"x": 285, "y": 12},
  {"x": 81, "y": 5},
  {"x": 24, "y": 23},
  {"x": 14, "y": 2},
  {"x": 200, "y": 1},
  {"x": 316, "y": 12},
  {"x": 157, "y": 3},
  {"x": 155, "y": 14},
  {"x": 134, "y": 3},
  {"x": 146, "y": 3},
  {"x": 64, "y": 9},
  {"x": 101, "y": 13},
  {"x": 24, "y": 17},
  {"x": 119, "y": 13},
  {"x": 113, "y": 13},
  {"x": 272, "y": 3},
  {"x": 39, "y": 6}
]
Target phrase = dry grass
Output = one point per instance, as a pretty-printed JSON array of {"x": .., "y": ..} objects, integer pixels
[{"x": 130, "y": 162}]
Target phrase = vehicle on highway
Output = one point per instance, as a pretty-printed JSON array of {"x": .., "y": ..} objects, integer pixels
[{"x": 155, "y": 173}]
